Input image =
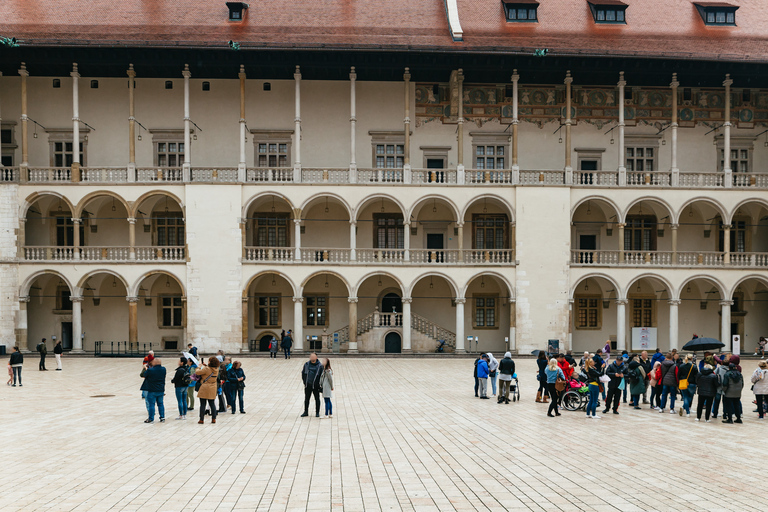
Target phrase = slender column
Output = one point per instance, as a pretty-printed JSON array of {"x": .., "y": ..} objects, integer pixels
[
  {"x": 407, "y": 127},
  {"x": 727, "y": 180},
  {"x": 515, "y": 123},
  {"x": 675, "y": 171},
  {"x": 24, "y": 123},
  {"x": 75, "y": 123},
  {"x": 187, "y": 150},
  {"x": 512, "y": 347},
  {"x": 22, "y": 330},
  {"x": 297, "y": 128},
  {"x": 76, "y": 238},
  {"x": 621, "y": 225},
  {"x": 673, "y": 323},
  {"x": 621, "y": 324},
  {"x": 241, "y": 164},
  {"x": 77, "y": 324},
  {"x": 460, "y": 239},
  {"x": 133, "y": 320},
  {"x": 622, "y": 85},
  {"x": 407, "y": 241},
  {"x": 460, "y": 137},
  {"x": 298, "y": 324},
  {"x": 131, "y": 123},
  {"x": 726, "y": 244},
  {"x": 569, "y": 334},
  {"x": 725, "y": 323},
  {"x": 245, "y": 324},
  {"x": 407, "y": 324},
  {"x": 297, "y": 237},
  {"x": 353, "y": 127},
  {"x": 568, "y": 105},
  {"x": 353, "y": 240},
  {"x": 131, "y": 238},
  {"x": 674, "y": 227},
  {"x": 460, "y": 301},
  {"x": 352, "y": 349}
]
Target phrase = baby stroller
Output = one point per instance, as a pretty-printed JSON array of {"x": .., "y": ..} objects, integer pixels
[{"x": 514, "y": 388}]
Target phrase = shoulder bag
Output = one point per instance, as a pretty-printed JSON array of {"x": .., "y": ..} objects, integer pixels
[{"x": 683, "y": 384}]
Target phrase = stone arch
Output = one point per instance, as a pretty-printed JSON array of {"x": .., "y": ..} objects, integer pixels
[
  {"x": 267, "y": 193},
  {"x": 507, "y": 205},
  {"x": 501, "y": 277},
  {"x": 597, "y": 275},
  {"x": 405, "y": 291},
  {"x": 84, "y": 279},
  {"x": 321, "y": 273},
  {"x": 99, "y": 193},
  {"x": 36, "y": 196},
  {"x": 759, "y": 277},
  {"x": 598, "y": 199},
  {"x": 717, "y": 205},
  {"x": 27, "y": 284},
  {"x": 418, "y": 205},
  {"x": 671, "y": 290},
  {"x": 454, "y": 287},
  {"x": 137, "y": 204},
  {"x": 371, "y": 198},
  {"x": 649, "y": 199},
  {"x": 134, "y": 289},
  {"x": 265, "y": 273},
  {"x": 732, "y": 213},
  {"x": 310, "y": 201},
  {"x": 703, "y": 277}
]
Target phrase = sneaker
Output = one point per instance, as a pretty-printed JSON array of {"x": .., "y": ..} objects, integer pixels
[
  {"x": 596, "y": 417},
  {"x": 589, "y": 417},
  {"x": 698, "y": 419},
  {"x": 179, "y": 418},
  {"x": 687, "y": 415},
  {"x": 13, "y": 386},
  {"x": 671, "y": 411},
  {"x": 149, "y": 421},
  {"x": 738, "y": 420},
  {"x": 242, "y": 412},
  {"x": 636, "y": 407},
  {"x": 708, "y": 421},
  {"x": 606, "y": 411},
  {"x": 661, "y": 410},
  {"x": 317, "y": 415},
  {"x": 162, "y": 420},
  {"x": 727, "y": 421},
  {"x": 656, "y": 408},
  {"x": 21, "y": 385},
  {"x": 305, "y": 415},
  {"x": 615, "y": 412}
]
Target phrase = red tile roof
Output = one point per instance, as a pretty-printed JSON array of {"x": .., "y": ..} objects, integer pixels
[{"x": 654, "y": 28}]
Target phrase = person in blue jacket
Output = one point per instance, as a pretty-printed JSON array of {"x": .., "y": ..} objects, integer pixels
[
  {"x": 553, "y": 371},
  {"x": 482, "y": 376},
  {"x": 658, "y": 356},
  {"x": 154, "y": 385}
]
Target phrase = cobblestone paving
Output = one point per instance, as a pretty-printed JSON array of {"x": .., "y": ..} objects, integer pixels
[{"x": 407, "y": 434}]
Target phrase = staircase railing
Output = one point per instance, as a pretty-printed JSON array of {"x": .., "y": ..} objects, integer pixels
[{"x": 431, "y": 329}]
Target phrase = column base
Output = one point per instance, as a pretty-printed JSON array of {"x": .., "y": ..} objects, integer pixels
[
  {"x": 460, "y": 351},
  {"x": 407, "y": 351},
  {"x": 77, "y": 351}
]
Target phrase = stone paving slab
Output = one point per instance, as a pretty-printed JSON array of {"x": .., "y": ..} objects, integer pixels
[{"x": 407, "y": 434}]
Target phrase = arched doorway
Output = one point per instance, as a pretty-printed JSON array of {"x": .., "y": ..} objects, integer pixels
[
  {"x": 391, "y": 303},
  {"x": 264, "y": 342},
  {"x": 392, "y": 343}
]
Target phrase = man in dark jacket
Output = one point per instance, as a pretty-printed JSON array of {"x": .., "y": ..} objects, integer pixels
[
  {"x": 707, "y": 383},
  {"x": 43, "y": 349},
  {"x": 733, "y": 383},
  {"x": 657, "y": 356},
  {"x": 668, "y": 383},
  {"x": 647, "y": 367},
  {"x": 311, "y": 375},
  {"x": 506, "y": 371},
  {"x": 57, "y": 351},
  {"x": 154, "y": 385},
  {"x": 287, "y": 343},
  {"x": 16, "y": 362},
  {"x": 616, "y": 372}
]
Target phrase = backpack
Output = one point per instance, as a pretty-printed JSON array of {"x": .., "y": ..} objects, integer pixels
[
  {"x": 39, "y": 347},
  {"x": 634, "y": 378},
  {"x": 186, "y": 379}
]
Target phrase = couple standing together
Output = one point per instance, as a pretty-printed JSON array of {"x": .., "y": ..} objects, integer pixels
[{"x": 317, "y": 377}]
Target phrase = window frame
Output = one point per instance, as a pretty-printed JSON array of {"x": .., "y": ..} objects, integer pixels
[
  {"x": 601, "y": 11},
  {"x": 495, "y": 308},
  {"x": 168, "y": 137},
  {"x": 61, "y": 289},
  {"x": 67, "y": 216},
  {"x": 506, "y": 226},
  {"x": 276, "y": 137},
  {"x": 8, "y": 149},
  {"x": 653, "y": 309},
  {"x": 706, "y": 10},
  {"x": 578, "y": 308},
  {"x": 307, "y": 307},
  {"x": 720, "y": 239},
  {"x": 156, "y": 228},
  {"x": 513, "y": 7},
  {"x": 277, "y": 215},
  {"x": 398, "y": 227},
  {"x": 161, "y": 307},
  {"x": 64, "y": 136},
  {"x": 629, "y": 230},
  {"x": 738, "y": 144},
  {"x": 635, "y": 142},
  {"x": 268, "y": 307},
  {"x": 383, "y": 138}
]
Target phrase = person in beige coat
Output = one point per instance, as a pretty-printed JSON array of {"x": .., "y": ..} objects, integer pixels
[{"x": 208, "y": 378}]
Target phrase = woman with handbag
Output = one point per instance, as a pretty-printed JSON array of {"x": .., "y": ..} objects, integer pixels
[
  {"x": 236, "y": 377},
  {"x": 208, "y": 378},
  {"x": 688, "y": 373},
  {"x": 541, "y": 362},
  {"x": 593, "y": 381},
  {"x": 555, "y": 385}
]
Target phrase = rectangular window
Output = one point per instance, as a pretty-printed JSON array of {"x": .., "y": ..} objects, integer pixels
[
  {"x": 63, "y": 299},
  {"x": 722, "y": 14},
  {"x": 489, "y": 157},
  {"x": 268, "y": 311},
  {"x": 520, "y": 11},
  {"x": 608, "y": 13},
  {"x": 272, "y": 154},
  {"x": 740, "y": 161},
  {"x": 485, "y": 312},
  {"x": 271, "y": 230},
  {"x": 171, "y": 311},
  {"x": 65, "y": 230},
  {"x": 643, "y": 314},
  {"x": 63, "y": 155},
  {"x": 390, "y": 156},
  {"x": 640, "y": 233},
  {"x": 316, "y": 307},
  {"x": 641, "y": 159},
  {"x": 169, "y": 228},
  {"x": 388, "y": 231},
  {"x": 588, "y": 312},
  {"x": 170, "y": 154},
  {"x": 738, "y": 236},
  {"x": 490, "y": 231}
]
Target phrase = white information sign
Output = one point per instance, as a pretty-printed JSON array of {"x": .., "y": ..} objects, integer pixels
[{"x": 643, "y": 338}]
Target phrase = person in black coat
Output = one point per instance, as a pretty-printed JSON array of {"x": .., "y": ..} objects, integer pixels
[
  {"x": 16, "y": 362},
  {"x": 154, "y": 385},
  {"x": 181, "y": 386},
  {"x": 541, "y": 364},
  {"x": 57, "y": 351},
  {"x": 287, "y": 343},
  {"x": 707, "y": 383},
  {"x": 616, "y": 372},
  {"x": 311, "y": 375}
]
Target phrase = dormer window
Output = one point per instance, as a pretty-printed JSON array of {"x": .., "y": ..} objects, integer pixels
[
  {"x": 236, "y": 10},
  {"x": 608, "y": 11},
  {"x": 521, "y": 10},
  {"x": 717, "y": 13}
]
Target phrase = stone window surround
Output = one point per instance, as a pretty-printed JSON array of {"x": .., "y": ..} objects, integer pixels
[
  {"x": 434, "y": 153},
  {"x": 492, "y": 139},
  {"x": 599, "y": 308},
  {"x": 737, "y": 142},
  {"x": 9, "y": 148},
  {"x": 643, "y": 141},
  {"x": 327, "y": 310},
  {"x": 273, "y": 137},
  {"x": 496, "y": 298},
  {"x": 65, "y": 135},
  {"x": 167, "y": 135},
  {"x": 160, "y": 297},
  {"x": 256, "y": 323},
  {"x": 589, "y": 154},
  {"x": 387, "y": 138}
]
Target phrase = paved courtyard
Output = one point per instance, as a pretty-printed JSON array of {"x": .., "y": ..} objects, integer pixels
[{"x": 407, "y": 434}]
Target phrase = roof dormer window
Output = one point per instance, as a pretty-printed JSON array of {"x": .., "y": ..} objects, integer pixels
[
  {"x": 717, "y": 13},
  {"x": 609, "y": 11},
  {"x": 236, "y": 10},
  {"x": 521, "y": 10}
]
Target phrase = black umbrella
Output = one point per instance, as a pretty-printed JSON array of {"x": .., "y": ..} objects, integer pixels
[
  {"x": 697, "y": 344},
  {"x": 536, "y": 352}
]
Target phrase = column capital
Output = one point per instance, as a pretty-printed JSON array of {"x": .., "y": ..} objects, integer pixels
[
  {"x": 132, "y": 300},
  {"x": 131, "y": 220},
  {"x": 622, "y": 82},
  {"x": 727, "y": 82},
  {"x": 406, "y": 300},
  {"x": 298, "y": 300},
  {"x": 674, "y": 83},
  {"x": 622, "y": 302},
  {"x": 23, "y": 70},
  {"x": 352, "y": 300},
  {"x": 515, "y": 76},
  {"x": 726, "y": 227},
  {"x": 568, "y": 78},
  {"x": 297, "y": 73},
  {"x": 297, "y": 222},
  {"x": 241, "y": 74},
  {"x": 131, "y": 73},
  {"x": 406, "y": 75},
  {"x": 245, "y": 299},
  {"x": 78, "y": 298},
  {"x": 674, "y": 226},
  {"x": 22, "y": 220},
  {"x": 674, "y": 302},
  {"x": 353, "y": 222},
  {"x": 24, "y": 299},
  {"x": 74, "y": 73},
  {"x": 621, "y": 225},
  {"x": 728, "y": 303},
  {"x": 186, "y": 73},
  {"x": 460, "y": 300},
  {"x": 76, "y": 220}
]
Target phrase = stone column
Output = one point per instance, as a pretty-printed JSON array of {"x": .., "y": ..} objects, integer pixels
[
  {"x": 461, "y": 119},
  {"x": 352, "y": 349},
  {"x": 297, "y": 237},
  {"x": 728, "y": 172},
  {"x": 407, "y": 127},
  {"x": 725, "y": 323},
  {"x": 241, "y": 163},
  {"x": 77, "y": 324},
  {"x": 460, "y": 239},
  {"x": 568, "y": 105},
  {"x": 24, "y": 122},
  {"x": 76, "y": 238},
  {"x": 186, "y": 169},
  {"x": 352, "y": 240},
  {"x": 621, "y": 324},
  {"x": 675, "y": 171},
  {"x": 674, "y": 227},
  {"x": 673, "y": 323},
  {"x": 298, "y": 324},
  {"x": 512, "y": 325},
  {"x": 75, "y": 123},
  {"x": 407, "y": 241},
  {"x": 407, "y": 324},
  {"x": 22, "y": 328},
  {"x": 621, "y": 225},
  {"x": 515, "y": 123},
  {"x": 460, "y": 301},
  {"x": 131, "y": 123},
  {"x": 297, "y": 128},
  {"x": 353, "y": 127},
  {"x": 726, "y": 244},
  {"x": 622, "y": 164},
  {"x": 133, "y": 320},
  {"x": 131, "y": 238}
]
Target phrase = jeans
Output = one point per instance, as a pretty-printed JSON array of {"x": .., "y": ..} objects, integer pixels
[
  {"x": 483, "y": 387},
  {"x": 614, "y": 394},
  {"x": 238, "y": 393},
  {"x": 287, "y": 352},
  {"x": 16, "y": 373},
  {"x": 208, "y": 403},
  {"x": 594, "y": 393},
  {"x": 42, "y": 361},
  {"x": 542, "y": 385},
  {"x": 504, "y": 389},
  {"x": 477, "y": 385},
  {"x": 705, "y": 403},
  {"x": 181, "y": 400},
  {"x": 308, "y": 392},
  {"x": 230, "y": 390},
  {"x": 716, "y": 404},
  {"x": 155, "y": 397},
  {"x": 222, "y": 404},
  {"x": 626, "y": 385},
  {"x": 761, "y": 399},
  {"x": 668, "y": 390},
  {"x": 636, "y": 400},
  {"x": 492, "y": 378},
  {"x": 554, "y": 396},
  {"x": 688, "y": 397},
  {"x": 328, "y": 407}
]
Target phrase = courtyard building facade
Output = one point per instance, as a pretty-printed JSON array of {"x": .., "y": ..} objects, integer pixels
[{"x": 386, "y": 193}]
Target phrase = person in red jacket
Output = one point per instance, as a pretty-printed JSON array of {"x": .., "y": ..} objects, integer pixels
[{"x": 565, "y": 366}]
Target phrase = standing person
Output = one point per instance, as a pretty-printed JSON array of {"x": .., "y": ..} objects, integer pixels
[
  {"x": 647, "y": 366},
  {"x": 635, "y": 380},
  {"x": 583, "y": 361},
  {"x": 220, "y": 356},
  {"x": 16, "y": 362},
  {"x": 191, "y": 367},
  {"x": 236, "y": 379},
  {"x": 42, "y": 348},
  {"x": 541, "y": 362},
  {"x": 154, "y": 385},
  {"x": 208, "y": 376},
  {"x": 180, "y": 383},
  {"x": 761, "y": 347},
  {"x": 10, "y": 373},
  {"x": 482, "y": 376},
  {"x": 654, "y": 383},
  {"x": 192, "y": 350},
  {"x": 616, "y": 372},
  {"x": 593, "y": 381},
  {"x": 273, "y": 348},
  {"x": 687, "y": 374},
  {"x": 553, "y": 372},
  {"x": 625, "y": 357},
  {"x": 225, "y": 390},
  {"x": 327, "y": 382},
  {"x": 601, "y": 365},
  {"x": 57, "y": 351},
  {"x": 733, "y": 383},
  {"x": 506, "y": 371},
  {"x": 477, "y": 381},
  {"x": 286, "y": 344},
  {"x": 493, "y": 366},
  {"x": 668, "y": 383},
  {"x": 706, "y": 386},
  {"x": 760, "y": 387},
  {"x": 720, "y": 370},
  {"x": 657, "y": 356},
  {"x": 146, "y": 363},
  {"x": 311, "y": 376}
]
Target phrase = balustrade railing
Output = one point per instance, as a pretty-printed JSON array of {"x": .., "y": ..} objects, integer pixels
[
  {"x": 700, "y": 258},
  {"x": 380, "y": 176},
  {"x": 324, "y": 175},
  {"x": 150, "y": 174},
  {"x": 48, "y": 253},
  {"x": 649, "y": 178},
  {"x": 320, "y": 255},
  {"x": 270, "y": 254},
  {"x": 104, "y": 174},
  {"x": 749, "y": 259},
  {"x": 47, "y": 174},
  {"x": 701, "y": 179},
  {"x": 104, "y": 253},
  {"x": 431, "y": 329},
  {"x": 544, "y": 177},
  {"x": 160, "y": 253},
  {"x": 214, "y": 174},
  {"x": 433, "y": 176},
  {"x": 596, "y": 178},
  {"x": 9, "y": 174},
  {"x": 661, "y": 258},
  {"x": 380, "y": 256},
  {"x": 265, "y": 174}
]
